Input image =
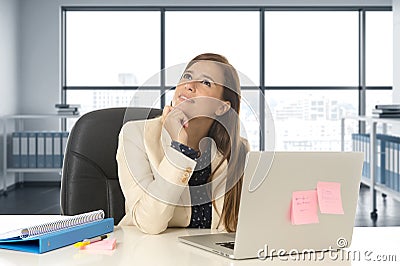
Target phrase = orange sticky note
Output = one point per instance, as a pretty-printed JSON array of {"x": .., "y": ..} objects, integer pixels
[
  {"x": 106, "y": 244},
  {"x": 304, "y": 207},
  {"x": 329, "y": 197}
]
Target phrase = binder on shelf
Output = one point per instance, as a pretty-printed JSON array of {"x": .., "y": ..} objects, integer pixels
[
  {"x": 40, "y": 149},
  {"x": 360, "y": 148},
  {"x": 392, "y": 165},
  {"x": 57, "y": 149},
  {"x": 53, "y": 232},
  {"x": 368, "y": 155},
  {"x": 24, "y": 149},
  {"x": 388, "y": 172},
  {"x": 392, "y": 147},
  {"x": 355, "y": 142},
  {"x": 32, "y": 150},
  {"x": 16, "y": 151},
  {"x": 64, "y": 137},
  {"x": 396, "y": 166},
  {"x": 393, "y": 171},
  {"x": 387, "y": 163},
  {"x": 378, "y": 161},
  {"x": 382, "y": 160},
  {"x": 48, "y": 150}
]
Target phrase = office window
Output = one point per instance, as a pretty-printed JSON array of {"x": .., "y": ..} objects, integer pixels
[
  {"x": 310, "y": 119},
  {"x": 314, "y": 48},
  {"x": 379, "y": 48},
  {"x": 111, "y": 48},
  {"x": 98, "y": 99},
  {"x": 250, "y": 117},
  {"x": 232, "y": 34},
  {"x": 236, "y": 36},
  {"x": 112, "y": 60}
]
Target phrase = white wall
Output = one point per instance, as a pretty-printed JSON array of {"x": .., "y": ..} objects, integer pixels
[
  {"x": 8, "y": 55},
  {"x": 9, "y": 32}
]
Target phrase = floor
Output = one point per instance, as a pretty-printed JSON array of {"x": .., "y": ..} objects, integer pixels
[
  {"x": 32, "y": 198},
  {"x": 45, "y": 199},
  {"x": 388, "y": 210}
]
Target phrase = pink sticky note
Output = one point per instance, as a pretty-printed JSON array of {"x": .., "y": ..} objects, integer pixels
[
  {"x": 106, "y": 244},
  {"x": 329, "y": 198},
  {"x": 304, "y": 207}
]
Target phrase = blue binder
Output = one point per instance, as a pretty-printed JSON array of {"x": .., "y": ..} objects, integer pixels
[
  {"x": 395, "y": 167},
  {"x": 48, "y": 150},
  {"x": 40, "y": 150},
  {"x": 50, "y": 241},
  {"x": 16, "y": 150},
  {"x": 64, "y": 139},
  {"x": 24, "y": 149},
  {"x": 57, "y": 149},
  {"x": 32, "y": 150}
]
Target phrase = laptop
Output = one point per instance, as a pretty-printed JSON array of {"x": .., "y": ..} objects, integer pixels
[{"x": 265, "y": 216}]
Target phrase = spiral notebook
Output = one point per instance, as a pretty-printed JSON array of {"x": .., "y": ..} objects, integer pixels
[{"x": 42, "y": 233}]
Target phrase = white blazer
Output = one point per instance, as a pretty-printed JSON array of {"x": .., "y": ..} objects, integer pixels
[{"x": 154, "y": 178}]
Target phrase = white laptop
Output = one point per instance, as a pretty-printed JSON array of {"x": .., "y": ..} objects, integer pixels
[{"x": 265, "y": 215}]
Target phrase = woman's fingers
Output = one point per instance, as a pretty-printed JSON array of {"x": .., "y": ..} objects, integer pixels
[
  {"x": 181, "y": 116},
  {"x": 175, "y": 121},
  {"x": 167, "y": 109},
  {"x": 175, "y": 114}
]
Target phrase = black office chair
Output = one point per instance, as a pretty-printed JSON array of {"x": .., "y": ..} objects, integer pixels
[{"x": 89, "y": 176}]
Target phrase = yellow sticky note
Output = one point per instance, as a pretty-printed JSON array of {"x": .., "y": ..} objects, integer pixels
[{"x": 329, "y": 197}]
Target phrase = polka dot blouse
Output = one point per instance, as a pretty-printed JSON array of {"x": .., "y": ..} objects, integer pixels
[{"x": 199, "y": 195}]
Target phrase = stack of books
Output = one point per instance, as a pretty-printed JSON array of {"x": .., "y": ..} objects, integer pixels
[
  {"x": 386, "y": 111},
  {"x": 67, "y": 109}
]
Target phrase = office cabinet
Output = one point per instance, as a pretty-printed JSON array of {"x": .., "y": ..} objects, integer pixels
[
  {"x": 31, "y": 151},
  {"x": 381, "y": 163}
]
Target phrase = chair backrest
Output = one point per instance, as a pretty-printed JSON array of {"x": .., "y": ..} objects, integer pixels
[{"x": 89, "y": 175}]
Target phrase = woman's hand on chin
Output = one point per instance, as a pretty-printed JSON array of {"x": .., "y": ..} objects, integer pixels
[{"x": 175, "y": 122}]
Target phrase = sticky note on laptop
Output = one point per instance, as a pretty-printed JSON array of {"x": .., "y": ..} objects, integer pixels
[
  {"x": 304, "y": 209},
  {"x": 329, "y": 197}
]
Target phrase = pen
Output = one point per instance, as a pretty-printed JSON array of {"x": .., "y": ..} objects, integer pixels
[{"x": 89, "y": 241}]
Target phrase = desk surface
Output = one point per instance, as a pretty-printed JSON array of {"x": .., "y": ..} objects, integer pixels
[{"x": 136, "y": 248}]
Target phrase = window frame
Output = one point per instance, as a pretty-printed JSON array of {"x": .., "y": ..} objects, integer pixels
[{"x": 261, "y": 87}]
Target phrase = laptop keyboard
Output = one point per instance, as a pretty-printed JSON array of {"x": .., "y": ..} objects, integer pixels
[{"x": 229, "y": 244}]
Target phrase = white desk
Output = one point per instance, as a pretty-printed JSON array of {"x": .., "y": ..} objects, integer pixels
[{"x": 135, "y": 248}]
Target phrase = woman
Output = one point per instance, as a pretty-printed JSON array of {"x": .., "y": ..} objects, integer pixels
[{"x": 185, "y": 168}]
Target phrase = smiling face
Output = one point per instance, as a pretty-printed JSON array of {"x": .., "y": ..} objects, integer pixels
[{"x": 200, "y": 90}]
